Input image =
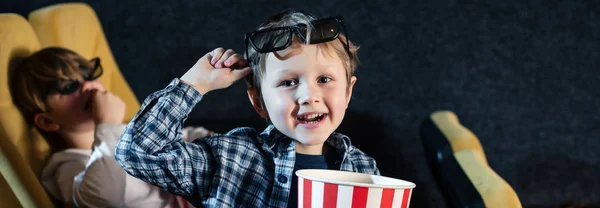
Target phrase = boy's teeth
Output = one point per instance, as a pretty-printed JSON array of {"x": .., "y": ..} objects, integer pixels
[{"x": 311, "y": 116}]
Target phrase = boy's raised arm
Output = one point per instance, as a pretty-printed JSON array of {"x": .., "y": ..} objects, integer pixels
[{"x": 151, "y": 147}]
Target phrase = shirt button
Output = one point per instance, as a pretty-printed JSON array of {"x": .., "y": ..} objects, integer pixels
[{"x": 282, "y": 179}]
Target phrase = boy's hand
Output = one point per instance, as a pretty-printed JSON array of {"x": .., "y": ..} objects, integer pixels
[
  {"x": 214, "y": 71},
  {"x": 107, "y": 108}
]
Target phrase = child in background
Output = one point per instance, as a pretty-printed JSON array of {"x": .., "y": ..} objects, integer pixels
[
  {"x": 301, "y": 79},
  {"x": 57, "y": 91}
]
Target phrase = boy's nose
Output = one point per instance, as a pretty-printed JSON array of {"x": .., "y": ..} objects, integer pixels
[
  {"x": 307, "y": 94},
  {"x": 92, "y": 85}
]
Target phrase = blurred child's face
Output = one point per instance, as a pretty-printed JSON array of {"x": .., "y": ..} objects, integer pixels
[
  {"x": 73, "y": 112},
  {"x": 306, "y": 93}
]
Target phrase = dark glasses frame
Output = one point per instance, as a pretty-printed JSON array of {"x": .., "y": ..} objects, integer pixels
[
  {"x": 297, "y": 29},
  {"x": 74, "y": 84}
]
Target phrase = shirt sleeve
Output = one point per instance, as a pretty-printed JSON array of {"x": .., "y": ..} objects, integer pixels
[
  {"x": 363, "y": 163},
  {"x": 376, "y": 169},
  {"x": 151, "y": 147},
  {"x": 190, "y": 133},
  {"x": 103, "y": 181},
  {"x": 64, "y": 178}
]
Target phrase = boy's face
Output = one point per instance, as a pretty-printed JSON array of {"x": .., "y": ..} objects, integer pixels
[
  {"x": 73, "y": 112},
  {"x": 306, "y": 93}
]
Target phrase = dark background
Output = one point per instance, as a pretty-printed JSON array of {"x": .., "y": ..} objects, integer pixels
[{"x": 522, "y": 75}]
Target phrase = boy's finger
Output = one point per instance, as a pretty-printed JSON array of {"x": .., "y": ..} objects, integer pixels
[
  {"x": 237, "y": 60},
  {"x": 99, "y": 94},
  {"x": 208, "y": 57},
  {"x": 224, "y": 57},
  {"x": 216, "y": 55},
  {"x": 241, "y": 73},
  {"x": 90, "y": 85}
]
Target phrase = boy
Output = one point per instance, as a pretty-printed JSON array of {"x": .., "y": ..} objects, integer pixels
[
  {"x": 57, "y": 91},
  {"x": 302, "y": 79}
]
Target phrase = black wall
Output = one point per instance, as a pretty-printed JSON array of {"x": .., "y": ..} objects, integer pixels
[{"x": 522, "y": 75}]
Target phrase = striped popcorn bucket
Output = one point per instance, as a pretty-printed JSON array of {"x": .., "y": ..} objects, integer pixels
[{"x": 340, "y": 189}]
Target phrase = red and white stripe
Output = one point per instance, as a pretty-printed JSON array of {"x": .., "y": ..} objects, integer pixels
[{"x": 313, "y": 194}]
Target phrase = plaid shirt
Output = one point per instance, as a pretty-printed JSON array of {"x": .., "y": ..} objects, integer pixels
[{"x": 242, "y": 168}]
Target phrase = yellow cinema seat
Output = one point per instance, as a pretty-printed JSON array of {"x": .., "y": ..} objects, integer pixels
[
  {"x": 23, "y": 151},
  {"x": 494, "y": 190},
  {"x": 75, "y": 26},
  {"x": 460, "y": 138},
  {"x": 459, "y": 164}
]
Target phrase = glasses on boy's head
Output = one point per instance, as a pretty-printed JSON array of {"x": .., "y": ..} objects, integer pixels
[
  {"x": 89, "y": 73},
  {"x": 279, "y": 38}
]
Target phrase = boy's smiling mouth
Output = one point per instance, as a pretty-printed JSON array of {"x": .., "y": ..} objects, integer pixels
[{"x": 310, "y": 118}]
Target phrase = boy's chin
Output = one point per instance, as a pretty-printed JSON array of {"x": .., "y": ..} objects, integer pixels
[
  {"x": 308, "y": 136},
  {"x": 311, "y": 139},
  {"x": 311, "y": 146},
  {"x": 313, "y": 134}
]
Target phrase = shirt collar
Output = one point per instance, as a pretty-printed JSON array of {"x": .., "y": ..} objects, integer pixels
[{"x": 273, "y": 140}]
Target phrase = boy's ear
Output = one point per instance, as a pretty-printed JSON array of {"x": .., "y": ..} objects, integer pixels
[
  {"x": 45, "y": 123},
  {"x": 256, "y": 102},
  {"x": 349, "y": 91}
]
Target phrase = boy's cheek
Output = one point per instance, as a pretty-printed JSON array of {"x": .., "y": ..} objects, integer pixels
[{"x": 277, "y": 99}]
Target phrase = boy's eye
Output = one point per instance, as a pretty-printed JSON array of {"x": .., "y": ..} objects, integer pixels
[
  {"x": 324, "y": 79},
  {"x": 68, "y": 86},
  {"x": 288, "y": 83}
]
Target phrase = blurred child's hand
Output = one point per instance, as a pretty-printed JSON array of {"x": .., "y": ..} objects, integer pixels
[
  {"x": 214, "y": 70},
  {"x": 107, "y": 108}
]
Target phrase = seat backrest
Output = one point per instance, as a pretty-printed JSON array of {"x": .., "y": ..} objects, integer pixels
[
  {"x": 75, "y": 26},
  {"x": 459, "y": 137},
  {"x": 494, "y": 190},
  {"x": 459, "y": 163},
  {"x": 23, "y": 150}
]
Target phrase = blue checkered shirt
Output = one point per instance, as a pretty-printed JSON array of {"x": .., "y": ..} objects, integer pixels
[{"x": 242, "y": 168}]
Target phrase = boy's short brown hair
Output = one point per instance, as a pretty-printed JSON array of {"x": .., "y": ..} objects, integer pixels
[
  {"x": 292, "y": 18},
  {"x": 34, "y": 78}
]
